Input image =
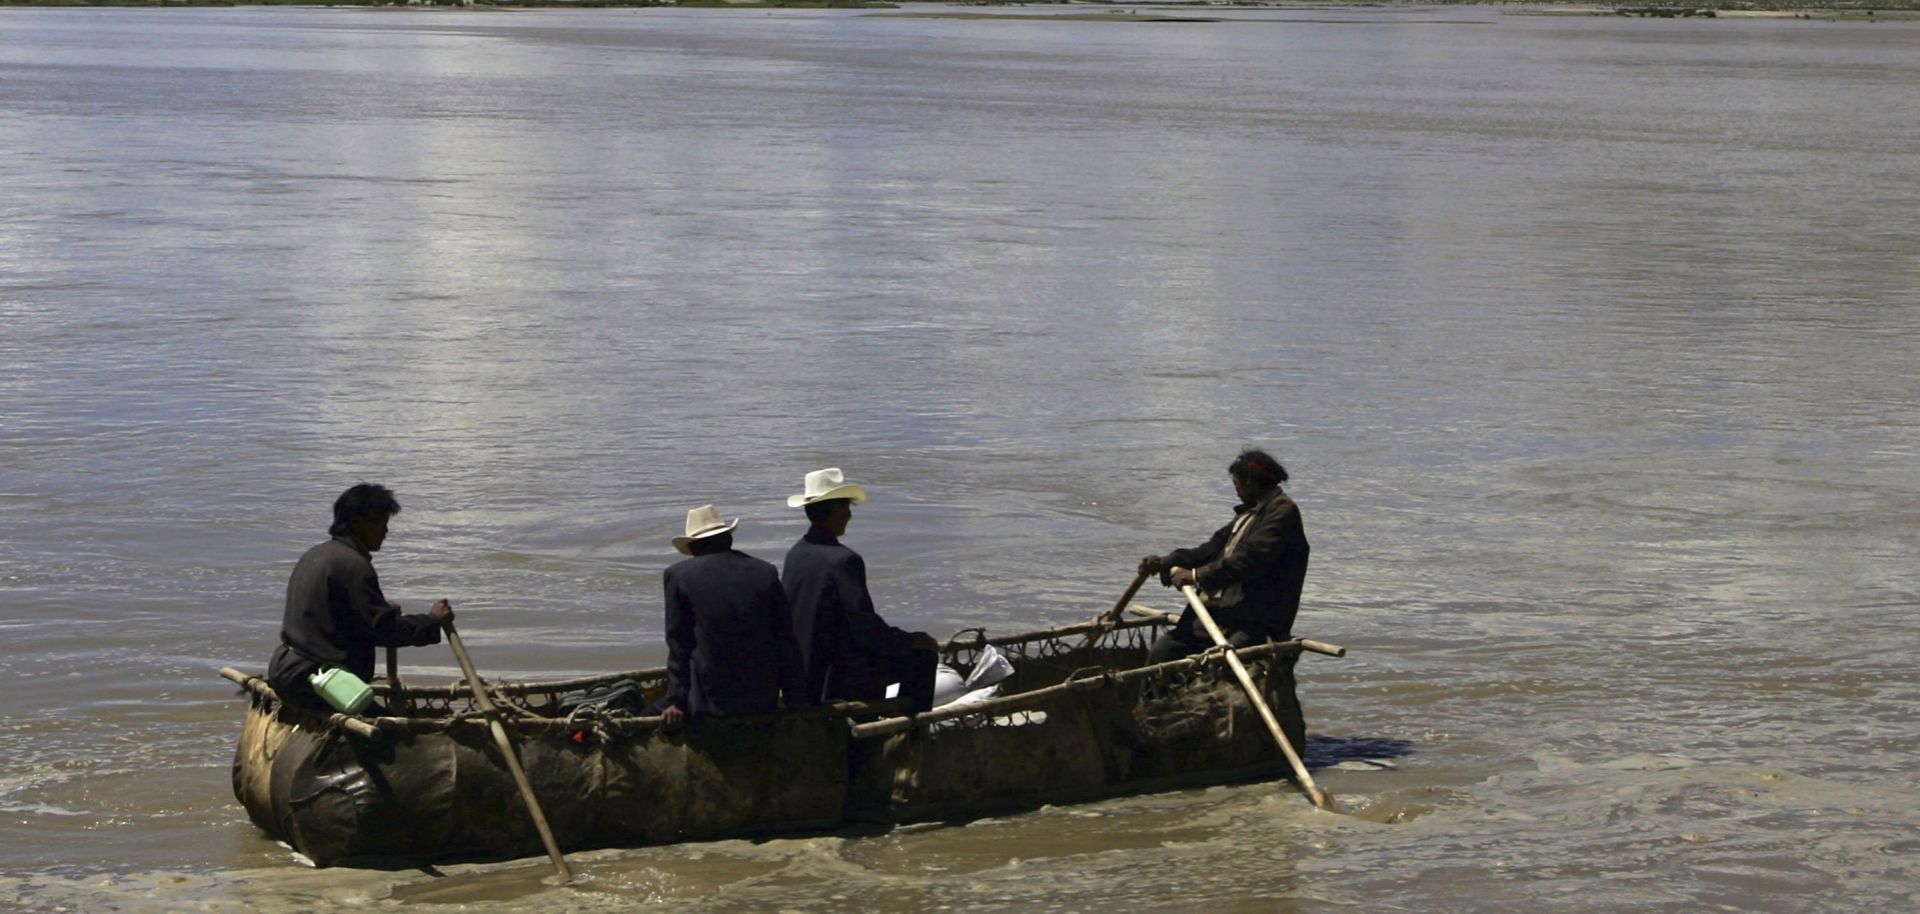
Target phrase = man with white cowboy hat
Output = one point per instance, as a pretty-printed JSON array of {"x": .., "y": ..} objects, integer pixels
[
  {"x": 730, "y": 645},
  {"x": 849, "y": 651}
]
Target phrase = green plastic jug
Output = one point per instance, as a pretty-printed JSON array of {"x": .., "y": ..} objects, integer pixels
[{"x": 347, "y": 693}]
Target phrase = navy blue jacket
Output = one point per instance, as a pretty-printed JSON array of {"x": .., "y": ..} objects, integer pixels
[
  {"x": 840, "y": 633},
  {"x": 730, "y": 647}
]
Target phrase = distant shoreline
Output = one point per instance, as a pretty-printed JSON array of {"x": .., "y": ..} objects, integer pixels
[{"x": 1115, "y": 10}]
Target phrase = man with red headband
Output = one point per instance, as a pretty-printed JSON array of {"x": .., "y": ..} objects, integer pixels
[{"x": 1249, "y": 573}]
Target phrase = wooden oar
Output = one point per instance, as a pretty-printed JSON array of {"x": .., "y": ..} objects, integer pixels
[
  {"x": 1313, "y": 791},
  {"x": 1105, "y": 620},
  {"x": 396, "y": 693},
  {"x": 561, "y": 873}
]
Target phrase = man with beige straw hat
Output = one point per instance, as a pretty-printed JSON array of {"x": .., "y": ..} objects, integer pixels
[
  {"x": 849, "y": 651},
  {"x": 730, "y": 646}
]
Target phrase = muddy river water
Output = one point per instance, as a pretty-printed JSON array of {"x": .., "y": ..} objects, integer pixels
[{"x": 1590, "y": 343}]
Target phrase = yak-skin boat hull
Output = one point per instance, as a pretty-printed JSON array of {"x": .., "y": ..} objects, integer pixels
[{"x": 1071, "y": 725}]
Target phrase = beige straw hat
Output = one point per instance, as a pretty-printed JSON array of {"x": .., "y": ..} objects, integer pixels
[
  {"x": 825, "y": 485},
  {"x": 703, "y": 522}
]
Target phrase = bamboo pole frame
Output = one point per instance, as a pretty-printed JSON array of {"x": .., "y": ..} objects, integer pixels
[
  {"x": 375, "y": 727},
  {"x": 1307, "y": 644},
  {"x": 358, "y": 726}
]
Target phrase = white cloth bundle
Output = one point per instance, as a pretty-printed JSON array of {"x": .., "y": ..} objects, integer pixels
[{"x": 950, "y": 688}]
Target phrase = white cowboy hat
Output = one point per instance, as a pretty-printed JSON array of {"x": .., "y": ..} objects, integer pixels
[
  {"x": 703, "y": 522},
  {"x": 827, "y": 484}
]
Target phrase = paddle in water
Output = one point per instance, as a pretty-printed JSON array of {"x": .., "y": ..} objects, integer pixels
[
  {"x": 561, "y": 873},
  {"x": 1305, "y": 780}
]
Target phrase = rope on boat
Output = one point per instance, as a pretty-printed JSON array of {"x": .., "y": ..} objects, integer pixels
[
  {"x": 503, "y": 693},
  {"x": 590, "y": 719}
]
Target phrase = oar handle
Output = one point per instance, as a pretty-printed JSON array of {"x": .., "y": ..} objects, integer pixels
[
  {"x": 396, "y": 693},
  {"x": 1120, "y": 606},
  {"x": 1318, "y": 797},
  {"x": 1106, "y": 619}
]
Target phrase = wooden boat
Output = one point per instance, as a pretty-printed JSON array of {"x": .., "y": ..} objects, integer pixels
[{"x": 1073, "y": 723}]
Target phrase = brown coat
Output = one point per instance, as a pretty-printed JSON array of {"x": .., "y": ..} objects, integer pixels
[{"x": 1254, "y": 585}]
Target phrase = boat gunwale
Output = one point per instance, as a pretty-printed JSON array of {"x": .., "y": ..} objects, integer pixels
[
  {"x": 1021, "y": 701},
  {"x": 458, "y": 688},
  {"x": 1086, "y": 679}
]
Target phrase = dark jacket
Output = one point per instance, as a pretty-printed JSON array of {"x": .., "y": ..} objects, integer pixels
[
  {"x": 730, "y": 647},
  {"x": 1257, "y": 587},
  {"x": 336, "y": 615},
  {"x": 841, "y": 635}
]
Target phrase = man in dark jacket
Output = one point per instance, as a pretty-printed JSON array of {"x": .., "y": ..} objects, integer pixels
[
  {"x": 850, "y": 652},
  {"x": 730, "y": 647},
  {"x": 336, "y": 614},
  {"x": 1249, "y": 574}
]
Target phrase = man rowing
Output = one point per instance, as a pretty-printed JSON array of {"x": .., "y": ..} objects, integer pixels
[
  {"x": 1249, "y": 573},
  {"x": 336, "y": 613}
]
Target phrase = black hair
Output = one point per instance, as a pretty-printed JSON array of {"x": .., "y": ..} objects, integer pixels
[
  {"x": 719, "y": 542},
  {"x": 363, "y": 500},
  {"x": 1259, "y": 468},
  {"x": 817, "y": 511}
]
